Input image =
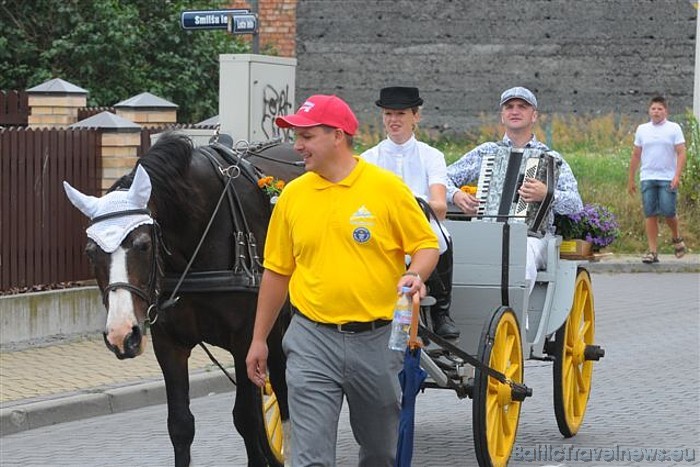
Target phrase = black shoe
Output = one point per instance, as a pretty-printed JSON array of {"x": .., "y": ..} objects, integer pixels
[{"x": 444, "y": 327}]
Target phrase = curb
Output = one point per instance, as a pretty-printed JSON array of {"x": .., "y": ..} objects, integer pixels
[
  {"x": 615, "y": 267},
  {"x": 97, "y": 402}
]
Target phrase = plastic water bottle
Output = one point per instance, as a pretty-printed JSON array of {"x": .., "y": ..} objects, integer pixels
[{"x": 402, "y": 322}]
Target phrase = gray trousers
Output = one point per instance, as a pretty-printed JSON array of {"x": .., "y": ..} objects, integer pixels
[{"x": 325, "y": 366}]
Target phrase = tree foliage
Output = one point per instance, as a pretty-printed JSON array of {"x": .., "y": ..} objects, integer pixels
[{"x": 115, "y": 49}]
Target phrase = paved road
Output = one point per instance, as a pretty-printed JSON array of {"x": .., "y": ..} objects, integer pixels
[{"x": 646, "y": 395}]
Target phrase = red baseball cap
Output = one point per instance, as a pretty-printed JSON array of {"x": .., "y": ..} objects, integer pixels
[{"x": 321, "y": 109}]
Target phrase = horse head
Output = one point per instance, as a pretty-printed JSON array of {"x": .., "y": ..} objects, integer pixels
[{"x": 123, "y": 250}]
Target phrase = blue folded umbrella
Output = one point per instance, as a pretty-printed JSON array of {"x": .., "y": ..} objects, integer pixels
[{"x": 411, "y": 378}]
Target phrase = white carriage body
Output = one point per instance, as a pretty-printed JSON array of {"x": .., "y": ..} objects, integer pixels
[{"x": 478, "y": 275}]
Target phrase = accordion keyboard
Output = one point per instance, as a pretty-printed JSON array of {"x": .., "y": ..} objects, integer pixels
[{"x": 484, "y": 183}]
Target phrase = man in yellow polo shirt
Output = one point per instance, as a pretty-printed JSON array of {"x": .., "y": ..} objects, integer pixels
[{"x": 337, "y": 241}]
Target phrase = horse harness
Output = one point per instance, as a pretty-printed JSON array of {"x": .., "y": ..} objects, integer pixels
[{"x": 246, "y": 272}]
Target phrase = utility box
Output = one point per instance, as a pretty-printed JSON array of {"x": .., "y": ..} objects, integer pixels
[{"x": 253, "y": 91}]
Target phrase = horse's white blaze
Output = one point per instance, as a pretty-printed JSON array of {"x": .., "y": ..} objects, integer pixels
[{"x": 121, "y": 316}]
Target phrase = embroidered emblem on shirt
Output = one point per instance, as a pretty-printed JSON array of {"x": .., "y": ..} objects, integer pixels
[
  {"x": 362, "y": 217},
  {"x": 361, "y": 234}
]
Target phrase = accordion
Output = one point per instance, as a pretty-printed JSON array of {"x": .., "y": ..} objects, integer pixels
[{"x": 502, "y": 174}]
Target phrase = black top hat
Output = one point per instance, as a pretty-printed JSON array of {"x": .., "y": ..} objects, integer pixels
[{"x": 398, "y": 97}]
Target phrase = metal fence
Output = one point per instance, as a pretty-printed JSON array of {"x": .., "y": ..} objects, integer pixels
[{"x": 42, "y": 235}]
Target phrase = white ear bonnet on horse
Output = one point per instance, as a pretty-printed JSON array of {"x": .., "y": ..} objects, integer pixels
[{"x": 110, "y": 233}]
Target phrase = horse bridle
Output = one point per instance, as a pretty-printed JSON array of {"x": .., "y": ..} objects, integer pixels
[{"x": 149, "y": 296}]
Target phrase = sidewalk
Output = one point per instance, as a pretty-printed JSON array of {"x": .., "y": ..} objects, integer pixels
[{"x": 72, "y": 380}]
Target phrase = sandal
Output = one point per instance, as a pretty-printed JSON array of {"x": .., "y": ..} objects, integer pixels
[
  {"x": 650, "y": 257},
  {"x": 678, "y": 247}
]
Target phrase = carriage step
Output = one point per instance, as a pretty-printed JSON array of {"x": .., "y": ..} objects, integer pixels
[{"x": 593, "y": 352}]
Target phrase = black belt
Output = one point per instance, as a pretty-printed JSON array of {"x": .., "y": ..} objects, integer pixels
[{"x": 348, "y": 328}]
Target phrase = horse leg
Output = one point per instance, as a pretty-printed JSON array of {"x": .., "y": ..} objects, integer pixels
[
  {"x": 172, "y": 359},
  {"x": 247, "y": 403}
]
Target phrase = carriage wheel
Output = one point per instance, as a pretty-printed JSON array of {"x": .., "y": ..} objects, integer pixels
[
  {"x": 572, "y": 370},
  {"x": 495, "y": 413},
  {"x": 273, "y": 444}
]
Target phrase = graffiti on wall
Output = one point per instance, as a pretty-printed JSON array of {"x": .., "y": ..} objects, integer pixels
[{"x": 275, "y": 102}]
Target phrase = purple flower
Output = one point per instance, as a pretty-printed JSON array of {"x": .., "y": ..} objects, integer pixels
[{"x": 594, "y": 223}]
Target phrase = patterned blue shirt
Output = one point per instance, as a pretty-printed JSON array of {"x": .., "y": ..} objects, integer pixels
[{"x": 566, "y": 197}]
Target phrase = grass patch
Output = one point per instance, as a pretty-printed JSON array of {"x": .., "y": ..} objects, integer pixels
[{"x": 598, "y": 149}]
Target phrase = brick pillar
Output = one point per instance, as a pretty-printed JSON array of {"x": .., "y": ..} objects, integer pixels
[
  {"x": 55, "y": 103},
  {"x": 278, "y": 25},
  {"x": 121, "y": 140},
  {"x": 147, "y": 110},
  {"x": 119, "y": 154}
]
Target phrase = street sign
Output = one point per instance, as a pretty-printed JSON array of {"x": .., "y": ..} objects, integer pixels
[
  {"x": 208, "y": 19},
  {"x": 243, "y": 24}
]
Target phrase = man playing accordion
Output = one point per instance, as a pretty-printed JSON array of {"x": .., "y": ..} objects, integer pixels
[{"x": 518, "y": 115}]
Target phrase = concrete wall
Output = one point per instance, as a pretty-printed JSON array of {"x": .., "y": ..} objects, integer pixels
[
  {"x": 35, "y": 317},
  {"x": 583, "y": 57}
]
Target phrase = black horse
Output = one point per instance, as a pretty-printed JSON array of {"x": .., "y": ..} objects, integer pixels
[{"x": 187, "y": 262}]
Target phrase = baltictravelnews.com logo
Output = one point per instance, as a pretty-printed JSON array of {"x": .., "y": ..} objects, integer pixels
[{"x": 571, "y": 453}]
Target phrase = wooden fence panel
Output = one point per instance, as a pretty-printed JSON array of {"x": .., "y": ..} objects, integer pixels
[
  {"x": 42, "y": 234},
  {"x": 14, "y": 108}
]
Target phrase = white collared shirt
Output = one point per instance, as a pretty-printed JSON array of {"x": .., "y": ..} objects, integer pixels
[{"x": 418, "y": 164}]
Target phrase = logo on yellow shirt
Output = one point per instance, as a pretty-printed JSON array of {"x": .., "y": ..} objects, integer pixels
[
  {"x": 362, "y": 217},
  {"x": 361, "y": 235}
]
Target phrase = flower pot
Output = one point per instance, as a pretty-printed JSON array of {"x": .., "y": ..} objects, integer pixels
[{"x": 575, "y": 249}]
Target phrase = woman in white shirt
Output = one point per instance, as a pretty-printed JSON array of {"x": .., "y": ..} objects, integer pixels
[{"x": 423, "y": 169}]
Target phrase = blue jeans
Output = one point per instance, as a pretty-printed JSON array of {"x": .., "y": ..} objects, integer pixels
[{"x": 658, "y": 198}]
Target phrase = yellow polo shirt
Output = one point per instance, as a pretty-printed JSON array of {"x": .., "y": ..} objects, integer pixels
[{"x": 344, "y": 244}]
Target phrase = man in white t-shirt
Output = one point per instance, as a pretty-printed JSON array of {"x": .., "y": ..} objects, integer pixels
[
  {"x": 423, "y": 169},
  {"x": 660, "y": 148}
]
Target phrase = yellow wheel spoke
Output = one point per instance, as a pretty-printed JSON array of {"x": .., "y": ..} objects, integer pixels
[
  {"x": 273, "y": 420},
  {"x": 584, "y": 329},
  {"x": 509, "y": 343},
  {"x": 492, "y": 425},
  {"x": 513, "y": 372},
  {"x": 507, "y": 429}
]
